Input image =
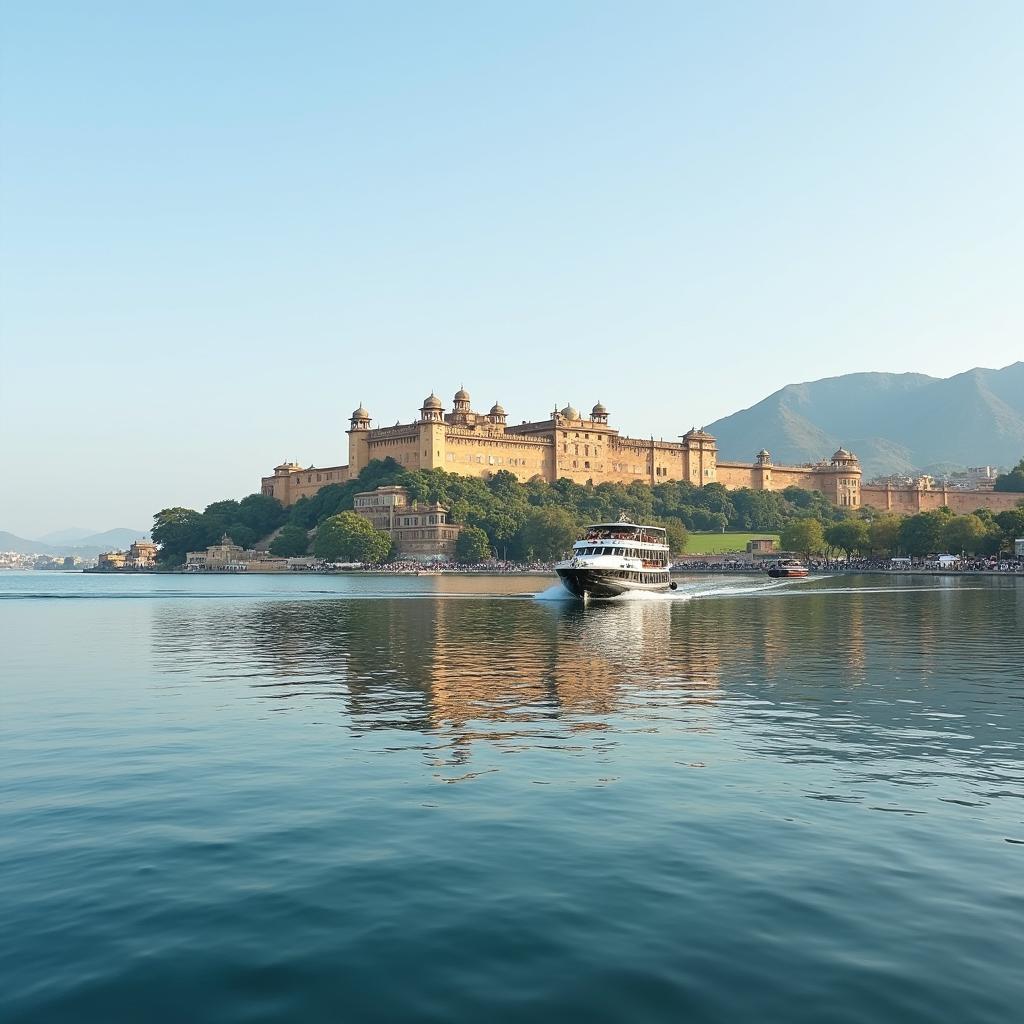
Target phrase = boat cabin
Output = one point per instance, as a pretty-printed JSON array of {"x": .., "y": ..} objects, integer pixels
[{"x": 647, "y": 544}]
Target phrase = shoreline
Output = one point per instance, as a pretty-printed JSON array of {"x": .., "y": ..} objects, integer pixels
[{"x": 1019, "y": 574}]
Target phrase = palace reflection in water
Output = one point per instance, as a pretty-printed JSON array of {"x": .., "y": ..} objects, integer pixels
[{"x": 468, "y": 668}]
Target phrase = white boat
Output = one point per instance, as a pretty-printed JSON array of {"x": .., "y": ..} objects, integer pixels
[{"x": 614, "y": 558}]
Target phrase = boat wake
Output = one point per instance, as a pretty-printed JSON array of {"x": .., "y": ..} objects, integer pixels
[{"x": 686, "y": 590}]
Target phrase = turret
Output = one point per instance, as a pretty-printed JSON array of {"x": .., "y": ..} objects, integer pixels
[
  {"x": 358, "y": 440},
  {"x": 432, "y": 411},
  {"x": 461, "y": 402},
  {"x": 360, "y": 419}
]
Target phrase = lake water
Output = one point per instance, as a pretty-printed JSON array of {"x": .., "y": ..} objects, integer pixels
[{"x": 450, "y": 799}]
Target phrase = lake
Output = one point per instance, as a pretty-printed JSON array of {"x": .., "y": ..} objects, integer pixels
[{"x": 456, "y": 799}]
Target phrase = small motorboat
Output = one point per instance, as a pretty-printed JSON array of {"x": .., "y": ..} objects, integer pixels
[{"x": 788, "y": 569}]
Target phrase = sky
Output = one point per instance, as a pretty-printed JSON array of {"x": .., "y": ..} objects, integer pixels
[{"x": 224, "y": 225}]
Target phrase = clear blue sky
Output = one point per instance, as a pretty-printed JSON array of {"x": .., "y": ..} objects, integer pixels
[{"x": 225, "y": 224}]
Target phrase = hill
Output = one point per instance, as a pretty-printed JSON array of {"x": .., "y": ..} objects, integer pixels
[
  {"x": 87, "y": 546},
  {"x": 11, "y": 542},
  {"x": 895, "y": 422},
  {"x": 69, "y": 535},
  {"x": 115, "y": 539}
]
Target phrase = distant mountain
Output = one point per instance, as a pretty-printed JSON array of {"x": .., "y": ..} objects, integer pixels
[
  {"x": 119, "y": 537},
  {"x": 87, "y": 546},
  {"x": 10, "y": 542},
  {"x": 894, "y": 422},
  {"x": 69, "y": 535}
]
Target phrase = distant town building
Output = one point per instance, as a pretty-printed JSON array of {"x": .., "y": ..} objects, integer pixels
[
  {"x": 140, "y": 555},
  {"x": 420, "y": 531},
  {"x": 975, "y": 478}
]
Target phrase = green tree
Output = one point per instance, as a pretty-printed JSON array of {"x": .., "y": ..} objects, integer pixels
[
  {"x": 291, "y": 542},
  {"x": 261, "y": 513},
  {"x": 921, "y": 534},
  {"x": 242, "y": 535},
  {"x": 803, "y": 536},
  {"x": 848, "y": 535},
  {"x": 884, "y": 533},
  {"x": 1011, "y": 526},
  {"x": 1012, "y": 481},
  {"x": 473, "y": 545},
  {"x": 676, "y": 535},
  {"x": 348, "y": 537},
  {"x": 717, "y": 521},
  {"x": 178, "y": 531},
  {"x": 964, "y": 534},
  {"x": 547, "y": 533}
]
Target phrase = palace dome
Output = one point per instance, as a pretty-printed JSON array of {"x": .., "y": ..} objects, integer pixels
[
  {"x": 432, "y": 402},
  {"x": 571, "y": 413},
  {"x": 462, "y": 395},
  {"x": 599, "y": 410},
  {"x": 763, "y": 454},
  {"x": 497, "y": 409},
  {"x": 842, "y": 455},
  {"x": 361, "y": 413}
]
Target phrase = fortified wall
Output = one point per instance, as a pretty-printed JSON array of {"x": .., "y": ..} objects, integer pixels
[{"x": 585, "y": 449}]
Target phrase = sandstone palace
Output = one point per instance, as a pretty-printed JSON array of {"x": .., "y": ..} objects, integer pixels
[{"x": 587, "y": 448}]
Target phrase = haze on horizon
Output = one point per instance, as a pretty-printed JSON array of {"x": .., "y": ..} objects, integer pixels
[{"x": 224, "y": 227}]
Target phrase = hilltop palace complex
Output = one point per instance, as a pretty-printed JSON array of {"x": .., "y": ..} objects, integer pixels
[{"x": 586, "y": 448}]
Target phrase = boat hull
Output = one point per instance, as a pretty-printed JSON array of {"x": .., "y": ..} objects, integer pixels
[
  {"x": 787, "y": 574},
  {"x": 607, "y": 583}
]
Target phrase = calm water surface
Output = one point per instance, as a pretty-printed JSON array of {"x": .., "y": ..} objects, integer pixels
[{"x": 446, "y": 799}]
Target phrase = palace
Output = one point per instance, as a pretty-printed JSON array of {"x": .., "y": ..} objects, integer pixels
[{"x": 584, "y": 448}]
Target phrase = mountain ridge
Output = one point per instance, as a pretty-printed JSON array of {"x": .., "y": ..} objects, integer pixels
[
  {"x": 894, "y": 422},
  {"x": 86, "y": 547}
]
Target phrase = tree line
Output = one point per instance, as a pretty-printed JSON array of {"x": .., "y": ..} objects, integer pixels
[
  {"x": 504, "y": 518},
  {"x": 979, "y": 533},
  {"x": 1012, "y": 481}
]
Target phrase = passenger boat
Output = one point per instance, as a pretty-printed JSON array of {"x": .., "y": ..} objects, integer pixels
[
  {"x": 614, "y": 558},
  {"x": 788, "y": 569}
]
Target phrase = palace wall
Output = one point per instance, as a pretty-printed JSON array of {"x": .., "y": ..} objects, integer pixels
[
  {"x": 294, "y": 483},
  {"x": 839, "y": 483},
  {"x": 911, "y": 500}
]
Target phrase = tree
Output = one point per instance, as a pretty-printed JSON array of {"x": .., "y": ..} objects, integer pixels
[
  {"x": 1011, "y": 526},
  {"x": 1012, "y": 481},
  {"x": 848, "y": 534},
  {"x": 291, "y": 542},
  {"x": 261, "y": 513},
  {"x": 804, "y": 536},
  {"x": 348, "y": 537},
  {"x": 178, "y": 531},
  {"x": 676, "y": 535},
  {"x": 241, "y": 534},
  {"x": 473, "y": 545},
  {"x": 884, "y": 533},
  {"x": 922, "y": 534},
  {"x": 963, "y": 534},
  {"x": 547, "y": 533}
]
